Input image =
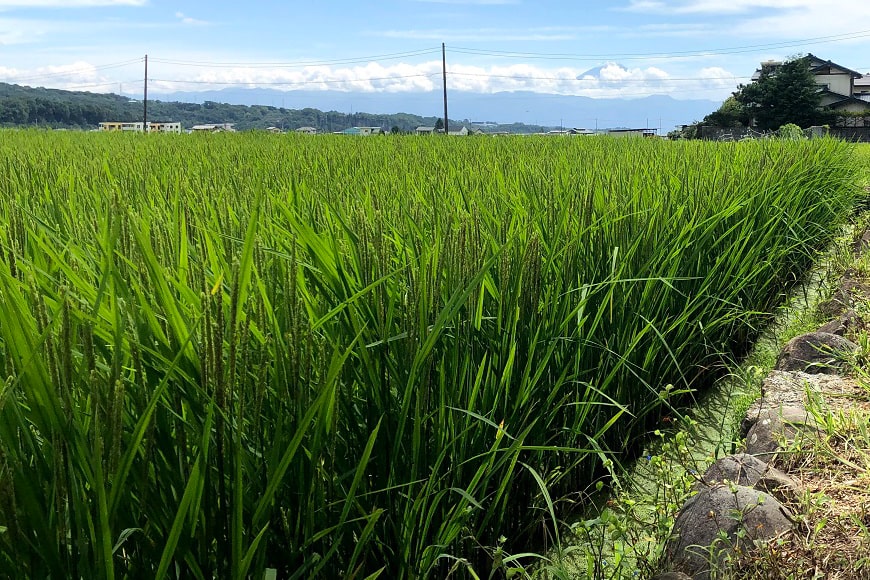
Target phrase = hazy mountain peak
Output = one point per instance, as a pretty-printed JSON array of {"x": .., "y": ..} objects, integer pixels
[{"x": 609, "y": 67}]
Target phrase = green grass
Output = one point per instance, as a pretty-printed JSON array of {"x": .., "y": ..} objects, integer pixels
[{"x": 362, "y": 357}]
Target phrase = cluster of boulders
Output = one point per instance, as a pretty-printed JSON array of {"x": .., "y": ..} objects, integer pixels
[{"x": 737, "y": 504}]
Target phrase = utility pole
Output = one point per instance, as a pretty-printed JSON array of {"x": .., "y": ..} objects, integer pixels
[
  {"x": 145, "y": 100},
  {"x": 444, "y": 77}
]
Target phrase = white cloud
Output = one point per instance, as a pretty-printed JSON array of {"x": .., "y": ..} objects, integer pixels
[
  {"x": 609, "y": 80},
  {"x": 811, "y": 20},
  {"x": 712, "y": 6},
  {"x": 56, "y": 76},
  {"x": 188, "y": 20},
  {"x": 19, "y": 31},
  {"x": 671, "y": 30},
  {"x": 612, "y": 80},
  {"x": 798, "y": 25}
]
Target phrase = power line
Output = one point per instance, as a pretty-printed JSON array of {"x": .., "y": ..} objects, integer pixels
[
  {"x": 94, "y": 85},
  {"x": 665, "y": 55},
  {"x": 599, "y": 83},
  {"x": 293, "y": 83},
  {"x": 63, "y": 73},
  {"x": 355, "y": 60},
  {"x": 600, "y": 80},
  {"x": 535, "y": 96}
]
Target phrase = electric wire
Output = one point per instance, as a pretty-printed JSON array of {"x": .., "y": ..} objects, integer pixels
[
  {"x": 354, "y": 60},
  {"x": 664, "y": 55},
  {"x": 293, "y": 83},
  {"x": 607, "y": 83},
  {"x": 55, "y": 74},
  {"x": 599, "y": 80}
]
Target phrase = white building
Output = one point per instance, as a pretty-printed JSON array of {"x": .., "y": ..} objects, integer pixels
[
  {"x": 213, "y": 128},
  {"x": 631, "y": 132},
  {"x": 119, "y": 126},
  {"x": 153, "y": 127},
  {"x": 164, "y": 127}
]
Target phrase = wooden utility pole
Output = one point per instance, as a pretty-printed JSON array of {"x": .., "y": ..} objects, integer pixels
[
  {"x": 444, "y": 77},
  {"x": 145, "y": 100}
]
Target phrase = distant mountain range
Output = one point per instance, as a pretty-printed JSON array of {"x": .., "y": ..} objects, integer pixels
[
  {"x": 503, "y": 108},
  {"x": 334, "y": 111}
]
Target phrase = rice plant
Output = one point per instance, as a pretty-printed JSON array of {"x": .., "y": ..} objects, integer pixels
[{"x": 363, "y": 357}]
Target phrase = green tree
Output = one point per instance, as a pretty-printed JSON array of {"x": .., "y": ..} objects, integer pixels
[
  {"x": 439, "y": 124},
  {"x": 732, "y": 113},
  {"x": 784, "y": 93}
]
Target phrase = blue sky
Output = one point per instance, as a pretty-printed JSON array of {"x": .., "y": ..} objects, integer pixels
[{"x": 684, "y": 48}]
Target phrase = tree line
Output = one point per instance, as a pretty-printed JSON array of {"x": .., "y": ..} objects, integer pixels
[
  {"x": 27, "y": 106},
  {"x": 22, "y": 106}
]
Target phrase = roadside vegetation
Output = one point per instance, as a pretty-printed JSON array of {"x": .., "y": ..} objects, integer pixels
[
  {"x": 624, "y": 536},
  {"x": 360, "y": 358}
]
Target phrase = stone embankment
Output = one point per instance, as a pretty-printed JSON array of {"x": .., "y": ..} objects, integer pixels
[{"x": 739, "y": 504}]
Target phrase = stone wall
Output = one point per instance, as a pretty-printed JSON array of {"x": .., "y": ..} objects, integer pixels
[{"x": 738, "y": 501}]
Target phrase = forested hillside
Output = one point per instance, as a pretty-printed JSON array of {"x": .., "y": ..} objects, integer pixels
[{"x": 26, "y": 106}]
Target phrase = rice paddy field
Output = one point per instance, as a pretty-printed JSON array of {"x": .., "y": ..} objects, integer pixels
[{"x": 361, "y": 358}]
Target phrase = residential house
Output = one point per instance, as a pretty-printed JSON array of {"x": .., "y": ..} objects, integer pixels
[
  {"x": 153, "y": 127},
  {"x": 572, "y": 131},
  {"x": 861, "y": 88},
  {"x": 164, "y": 127},
  {"x": 631, "y": 132},
  {"x": 213, "y": 128},
  {"x": 840, "y": 86},
  {"x": 461, "y": 132},
  {"x": 362, "y": 131},
  {"x": 307, "y": 130},
  {"x": 119, "y": 126}
]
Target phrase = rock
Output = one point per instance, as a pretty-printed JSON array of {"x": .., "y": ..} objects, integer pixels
[
  {"x": 852, "y": 290},
  {"x": 773, "y": 426},
  {"x": 788, "y": 389},
  {"x": 706, "y": 530},
  {"x": 861, "y": 243},
  {"x": 815, "y": 352},
  {"x": 747, "y": 470},
  {"x": 831, "y": 308},
  {"x": 846, "y": 323}
]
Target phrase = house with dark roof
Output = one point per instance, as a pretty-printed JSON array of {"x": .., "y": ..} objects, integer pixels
[
  {"x": 862, "y": 88},
  {"x": 837, "y": 84},
  {"x": 213, "y": 128},
  {"x": 362, "y": 131}
]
